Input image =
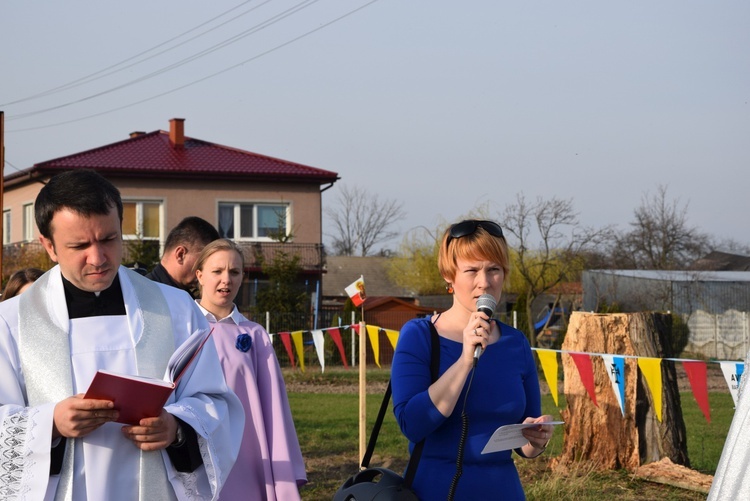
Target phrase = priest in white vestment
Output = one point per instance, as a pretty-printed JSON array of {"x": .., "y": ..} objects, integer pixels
[
  {"x": 731, "y": 480},
  {"x": 90, "y": 313}
]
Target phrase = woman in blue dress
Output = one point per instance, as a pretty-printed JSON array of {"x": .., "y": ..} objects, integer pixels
[{"x": 500, "y": 388}]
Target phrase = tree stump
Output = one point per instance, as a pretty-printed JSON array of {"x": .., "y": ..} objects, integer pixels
[{"x": 602, "y": 434}]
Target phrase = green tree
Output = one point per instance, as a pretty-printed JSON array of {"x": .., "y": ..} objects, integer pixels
[
  {"x": 145, "y": 253},
  {"x": 282, "y": 295},
  {"x": 415, "y": 266}
]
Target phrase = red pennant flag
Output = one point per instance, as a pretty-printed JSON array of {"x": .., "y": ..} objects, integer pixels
[
  {"x": 336, "y": 336},
  {"x": 586, "y": 371},
  {"x": 355, "y": 327},
  {"x": 696, "y": 373},
  {"x": 286, "y": 339}
]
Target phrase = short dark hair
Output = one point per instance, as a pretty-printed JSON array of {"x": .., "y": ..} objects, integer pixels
[
  {"x": 83, "y": 191},
  {"x": 191, "y": 231}
]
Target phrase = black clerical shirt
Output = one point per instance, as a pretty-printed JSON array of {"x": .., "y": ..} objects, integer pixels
[{"x": 83, "y": 304}]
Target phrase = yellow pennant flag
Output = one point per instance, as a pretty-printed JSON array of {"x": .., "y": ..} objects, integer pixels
[
  {"x": 392, "y": 336},
  {"x": 651, "y": 369},
  {"x": 297, "y": 339},
  {"x": 548, "y": 358},
  {"x": 372, "y": 333}
]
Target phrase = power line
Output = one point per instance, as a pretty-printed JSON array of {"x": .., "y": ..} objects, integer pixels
[
  {"x": 106, "y": 71},
  {"x": 269, "y": 51},
  {"x": 7, "y": 162},
  {"x": 250, "y": 31}
]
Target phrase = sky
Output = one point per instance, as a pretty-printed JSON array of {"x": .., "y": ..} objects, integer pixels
[{"x": 442, "y": 106}]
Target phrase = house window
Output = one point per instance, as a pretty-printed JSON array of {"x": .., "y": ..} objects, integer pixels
[
  {"x": 28, "y": 222},
  {"x": 240, "y": 221},
  {"x": 6, "y": 227},
  {"x": 141, "y": 220}
]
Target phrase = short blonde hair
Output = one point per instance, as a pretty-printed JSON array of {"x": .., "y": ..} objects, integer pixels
[
  {"x": 221, "y": 244},
  {"x": 479, "y": 245}
]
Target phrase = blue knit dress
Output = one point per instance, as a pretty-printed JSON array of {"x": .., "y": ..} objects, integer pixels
[{"x": 505, "y": 390}]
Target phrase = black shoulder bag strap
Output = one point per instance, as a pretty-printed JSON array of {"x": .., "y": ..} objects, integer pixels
[{"x": 411, "y": 468}]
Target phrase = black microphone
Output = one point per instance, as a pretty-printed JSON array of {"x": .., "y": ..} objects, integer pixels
[{"x": 485, "y": 304}]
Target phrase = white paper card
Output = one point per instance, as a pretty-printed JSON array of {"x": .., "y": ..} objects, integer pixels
[{"x": 510, "y": 437}]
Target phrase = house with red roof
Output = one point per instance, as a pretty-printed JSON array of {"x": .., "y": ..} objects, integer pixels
[{"x": 163, "y": 176}]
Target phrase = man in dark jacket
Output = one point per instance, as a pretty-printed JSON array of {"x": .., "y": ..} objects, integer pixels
[{"x": 182, "y": 248}]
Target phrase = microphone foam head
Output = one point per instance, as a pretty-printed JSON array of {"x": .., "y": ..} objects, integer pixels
[{"x": 487, "y": 304}]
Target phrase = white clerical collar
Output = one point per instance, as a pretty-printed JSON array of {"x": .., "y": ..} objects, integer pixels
[{"x": 234, "y": 317}]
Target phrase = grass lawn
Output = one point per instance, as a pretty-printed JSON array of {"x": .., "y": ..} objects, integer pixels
[{"x": 328, "y": 429}]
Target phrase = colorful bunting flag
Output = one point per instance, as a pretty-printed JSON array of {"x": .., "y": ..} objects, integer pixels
[
  {"x": 392, "y": 337},
  {"x": 733, "y": 373},
  {"x": 336, "y": 336},
  {"x": 299, "y": 347},
  {"x": 696, "y": 373},
  {"x": 372, "y": 332},
  {"x": 651, "y": 369},
  {"x": 356, "y": 291},
  {"x": 614, "y": 364},
  {"x": 319, "y": 342},
  {"x": 548, "y": 359},
  {"x": 616, "y": 371},
  {"x": 288, "y": 346},
  {"x": 586, "y": 371}
]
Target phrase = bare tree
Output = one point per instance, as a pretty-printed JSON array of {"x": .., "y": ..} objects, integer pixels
[
  {"x": 660, "y": 238},
  {"x": 361, "y": 220},
  {"x": 549, "y": 243}
]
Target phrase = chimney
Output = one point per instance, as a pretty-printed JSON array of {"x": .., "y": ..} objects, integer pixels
[{"x": 177, "y": 132}]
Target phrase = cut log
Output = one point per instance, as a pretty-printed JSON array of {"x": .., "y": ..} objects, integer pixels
[
  {"x": 666, "y": 472},
  {"x": 601, "y": 433}
]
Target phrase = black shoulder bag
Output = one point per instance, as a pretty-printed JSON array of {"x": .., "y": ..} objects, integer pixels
[{"x": 382, "y": 483}]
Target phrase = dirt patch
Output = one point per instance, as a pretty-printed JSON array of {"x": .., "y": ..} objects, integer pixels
[{"x": 375, "y": 387}]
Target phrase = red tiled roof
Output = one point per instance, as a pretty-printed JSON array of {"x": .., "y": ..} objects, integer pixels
[{"x": 153, "y": 155}]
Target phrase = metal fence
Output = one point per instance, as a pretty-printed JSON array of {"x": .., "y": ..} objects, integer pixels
[{"x": 723, "y": 336}]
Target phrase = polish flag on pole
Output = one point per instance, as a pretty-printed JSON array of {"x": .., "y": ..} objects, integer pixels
[{"x": 356, "y": 291}]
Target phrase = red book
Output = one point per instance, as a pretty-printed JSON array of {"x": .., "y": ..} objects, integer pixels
[
  {"x": 138, "y": 397},
  {"x": 134, "y": 396}
]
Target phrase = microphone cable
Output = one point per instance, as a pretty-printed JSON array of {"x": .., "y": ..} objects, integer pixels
[{"x": 462, "y": 439}]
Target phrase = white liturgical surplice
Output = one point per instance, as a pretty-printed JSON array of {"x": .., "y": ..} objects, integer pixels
[{"x": 105, "y": 465}]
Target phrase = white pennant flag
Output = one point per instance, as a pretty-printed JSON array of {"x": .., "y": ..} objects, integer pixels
[
  {"x": 616, "y": 371},
  {"x": 732, "y": 373},
  {"x": 317, "y": 336}
]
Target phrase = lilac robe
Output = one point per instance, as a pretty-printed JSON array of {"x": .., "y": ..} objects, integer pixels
[{"x": 270, "y": 464}]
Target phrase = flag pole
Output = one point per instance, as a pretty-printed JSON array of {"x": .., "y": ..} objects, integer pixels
[
  {"x": 362, "y": 388},
  {"x": 356, "y": 292}
]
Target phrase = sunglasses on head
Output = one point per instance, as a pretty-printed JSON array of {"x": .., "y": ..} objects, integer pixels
[{"x": 470, "y": 226}]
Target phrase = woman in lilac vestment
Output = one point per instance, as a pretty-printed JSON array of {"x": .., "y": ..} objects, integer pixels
[{"x": 270, "y": 464}]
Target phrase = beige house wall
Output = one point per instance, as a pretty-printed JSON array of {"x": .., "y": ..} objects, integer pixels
[
  {"x": 183, "y": 198},
  {"x": 14, "y": 199},
  {"x": 196, "y": 198}
]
